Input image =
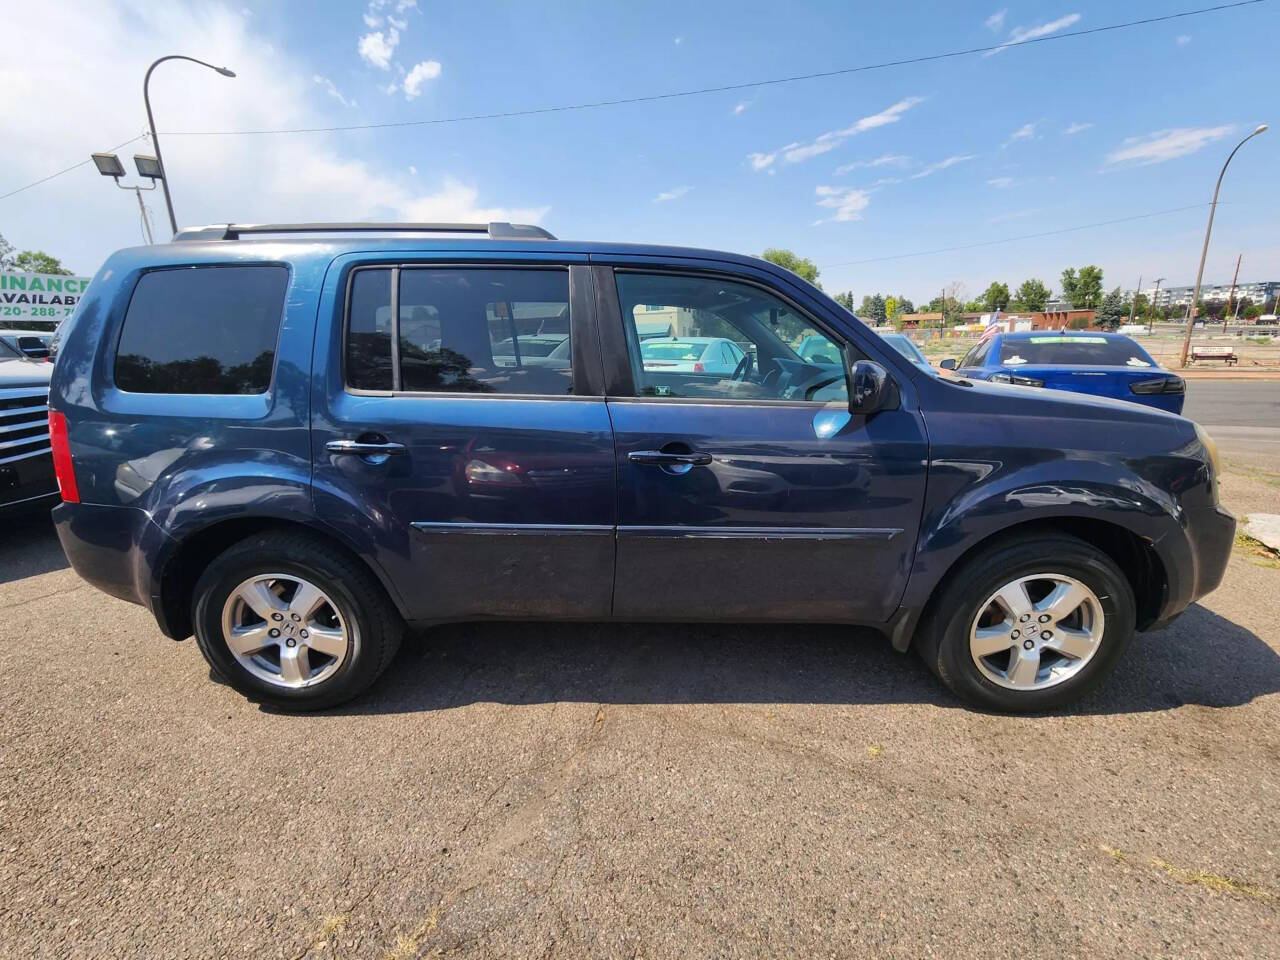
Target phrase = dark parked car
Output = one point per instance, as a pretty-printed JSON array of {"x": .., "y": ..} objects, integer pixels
[
  {"x": 1103, "y": 364},
  {"x": 257, "y": 440},
  {"x": 26, "y": 463}
]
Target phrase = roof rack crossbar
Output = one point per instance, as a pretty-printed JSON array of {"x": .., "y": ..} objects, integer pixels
[{"x": 495, "y": 230}]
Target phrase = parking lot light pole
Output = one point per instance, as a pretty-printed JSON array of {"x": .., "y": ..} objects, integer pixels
[
  {"x": 1151, "y": 324},
  {"x": 1195, "y": 296},
  {"x": 155, "y": 140}
]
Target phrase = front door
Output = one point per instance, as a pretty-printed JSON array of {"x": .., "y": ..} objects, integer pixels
[
  {"x": 751, "y": 494},
  {"x": 459, "y": 431}
]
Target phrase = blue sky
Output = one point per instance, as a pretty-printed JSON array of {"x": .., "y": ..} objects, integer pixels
[{"x": 844, "y": 169}]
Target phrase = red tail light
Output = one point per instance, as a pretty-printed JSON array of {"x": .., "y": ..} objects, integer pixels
[
  {"x": 62, "y": 457},
  {"x": 699, "y": 368}
]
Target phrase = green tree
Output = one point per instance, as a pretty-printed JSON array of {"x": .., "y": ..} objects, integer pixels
[
  {"x": 996, "y": 297},
  {"x": 1111, "y": 311},
  {"x": 845, "y": 300},
  {"x": 1031, "y": 295},
  {"x": 905, "y": 305},
  {"x": 872, "y": 309},
  {"x": 6, "y": 254},
  {"x": 802, "y": 267},
  {"x": 891, "y": 307},
  {"x": 1251, "y": 312},
  {"x": 37, "y": 261},
  {"x": 1140, "y": 306},
  {"x": 1082, "y": 290},
  {"x": 975, "y": 306}
]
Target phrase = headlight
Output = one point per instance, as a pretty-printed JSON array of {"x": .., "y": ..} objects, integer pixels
[
  {"x": 1210, "y": 446},
  {"x": 1016, "y": 380}
]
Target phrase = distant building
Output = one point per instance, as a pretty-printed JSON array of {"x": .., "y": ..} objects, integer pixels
[{"x": 1258, "y": 292}]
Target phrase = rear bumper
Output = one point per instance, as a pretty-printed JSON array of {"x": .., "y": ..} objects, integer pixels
[{"x": 108, "y": 547}]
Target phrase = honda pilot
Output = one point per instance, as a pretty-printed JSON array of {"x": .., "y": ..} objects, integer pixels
[{"x": 295, "y": 442}]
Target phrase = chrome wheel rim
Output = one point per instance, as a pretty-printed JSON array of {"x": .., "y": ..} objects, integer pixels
[
  {"x": 1036, "y": 632},
  {"x": 285, "y": 630}
]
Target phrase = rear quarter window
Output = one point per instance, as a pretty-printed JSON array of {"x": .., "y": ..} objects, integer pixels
[{"x": 202, "y": 330}]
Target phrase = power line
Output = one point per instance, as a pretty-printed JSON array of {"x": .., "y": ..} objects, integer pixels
[
  {"x": 651, "y": 98},
  {"x": 1025, "y": 236},
  {"x": 74, "y": 166},
  {"x": 724, "y": 88}
]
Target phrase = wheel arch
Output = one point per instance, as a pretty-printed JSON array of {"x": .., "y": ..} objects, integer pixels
[
  {"x": 1135, "y": 555},
  {"x": 175, "y": 578}
]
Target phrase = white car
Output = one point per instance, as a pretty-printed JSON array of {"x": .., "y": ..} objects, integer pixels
[{"x": 710, "y": 355}]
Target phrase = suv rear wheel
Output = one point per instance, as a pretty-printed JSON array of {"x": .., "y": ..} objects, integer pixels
[
  {"x": 288, "y": 620},
  {"x": 1030, "y": 624}
]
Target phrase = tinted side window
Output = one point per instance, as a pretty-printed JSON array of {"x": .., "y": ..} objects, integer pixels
[
  {"x": 206, "y": 330},
  {"x": 974, "y": 357},
  {"x": 369, "y": 331},
  {"x": 485, "y": 331},
  {"x": 677, "y": 325}
]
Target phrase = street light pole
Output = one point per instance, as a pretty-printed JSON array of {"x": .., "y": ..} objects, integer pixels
[
  {"x": 1151, "y": 322},
  {"x": 1232, "y": 295},
  {"x": 155, "y": 140},
  {"x": 1195, "y": 296},
  {"x": 1133, "y": 303}
]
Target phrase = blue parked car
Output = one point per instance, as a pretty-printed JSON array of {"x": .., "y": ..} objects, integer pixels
[
  {"x": 294, "y": 443},
  {"x": 1103, "y": 364}
]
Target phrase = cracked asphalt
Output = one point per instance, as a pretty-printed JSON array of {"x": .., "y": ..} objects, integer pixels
[{"x": 633, "y": 791}]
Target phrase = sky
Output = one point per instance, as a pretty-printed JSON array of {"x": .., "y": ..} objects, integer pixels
[{"x": 877, "y": 176}]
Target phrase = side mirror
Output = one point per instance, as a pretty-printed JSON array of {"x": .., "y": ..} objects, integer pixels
[
  {"x": 948, "y": 364},
  {"x": 871, "y": 389}
]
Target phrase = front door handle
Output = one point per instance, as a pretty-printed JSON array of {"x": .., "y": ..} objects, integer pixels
[
  {"x": 364, "y": 448},
  {"x": 664, "y": 459}
]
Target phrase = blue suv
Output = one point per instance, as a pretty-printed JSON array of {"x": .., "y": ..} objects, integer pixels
[{"x": 295, "y": 441}]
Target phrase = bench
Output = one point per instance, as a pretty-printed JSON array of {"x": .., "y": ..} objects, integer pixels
[{"x": 1225, "y": 354}]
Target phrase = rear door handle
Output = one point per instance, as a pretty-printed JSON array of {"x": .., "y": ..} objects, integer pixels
[
  {"x": 364, "y": 448},
  {"x": 664, "y": 459}
]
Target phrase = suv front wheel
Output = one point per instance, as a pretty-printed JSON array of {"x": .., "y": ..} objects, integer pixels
[
  {"x": 288, "y": 620},
  {"x": 1029, "y": 624}
]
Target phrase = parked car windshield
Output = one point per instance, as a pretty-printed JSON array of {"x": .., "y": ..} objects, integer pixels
[{"x": 1069, "y": 351}]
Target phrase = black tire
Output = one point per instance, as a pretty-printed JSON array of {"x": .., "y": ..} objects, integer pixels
[
  {"x": 374, "y": 625},
  {"x": 943, "y": 638}
]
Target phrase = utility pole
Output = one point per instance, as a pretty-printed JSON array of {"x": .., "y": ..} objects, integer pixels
[
  {"x": 1151, "y": 324},
  {"x": 1133, "y": 303},
  {"x": 1227, "y": 313}
]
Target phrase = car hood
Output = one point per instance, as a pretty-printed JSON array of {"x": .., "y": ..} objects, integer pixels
[{"x": 24, "y": 373}]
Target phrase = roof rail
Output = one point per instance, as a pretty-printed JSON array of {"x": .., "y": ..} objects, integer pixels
[{"x": 495, "y": 231}]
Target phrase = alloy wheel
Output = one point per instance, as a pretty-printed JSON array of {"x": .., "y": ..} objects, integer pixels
[
  {"x": 1036, "y": 632},
  {"x": 285, "y": 630}
]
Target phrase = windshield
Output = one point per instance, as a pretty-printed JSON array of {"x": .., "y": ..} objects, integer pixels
[
  {"x": 1058, "y": 350},
  {"x": 818, "y": 349},
  {"x": 671, "y": 350},
  {"x": 906, "y": 346}
]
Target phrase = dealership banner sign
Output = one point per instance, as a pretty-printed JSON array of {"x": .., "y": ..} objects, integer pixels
[{"x": 39, "y": 299}]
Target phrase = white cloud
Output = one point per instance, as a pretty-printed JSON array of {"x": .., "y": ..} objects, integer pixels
[
  {"x": 847, "y": 202},
  {"x": 673, "y": 194},
  {"x": 1000, "y": 183},
  {"x": 741, "y": 107},
  {"x": 1022, "y": 34},
  {"x": 885, "y": 160},
  {"x": 1015, "y": 215},
  {"x": 1025, "y": 132},
  {"x": 214, "y": 179},
  {"x": 377, "y": 48},
  {"x": 933, "y": 168},
  {"x": 995, "y": 22},
  {"x": 1165, "y": 145},
  {"x": 797, "y": 152},
  {"x": 1076, "y": 128},
  {"x": 420, "y": 74},
  {"x": 413, "y": 170},
  {"x": 332, "y": 90},
  {"x": 679, "y": 40},
  {"x": 1184, "y": 39}
]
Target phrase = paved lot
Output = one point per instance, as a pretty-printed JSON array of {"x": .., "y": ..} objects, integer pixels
[
  {"x": 1243, "y": 417},
  {"x": 634, "y": 792}
]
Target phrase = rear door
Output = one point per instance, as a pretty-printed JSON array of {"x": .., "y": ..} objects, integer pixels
[
  {"x": 480, "y": 474},
  {"x": 754, "y": 494}
]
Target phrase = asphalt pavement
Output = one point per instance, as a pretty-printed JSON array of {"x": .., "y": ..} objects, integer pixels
[
  {"x": 634, "y": 791},
  {"x": 1243, "y": 417}
]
